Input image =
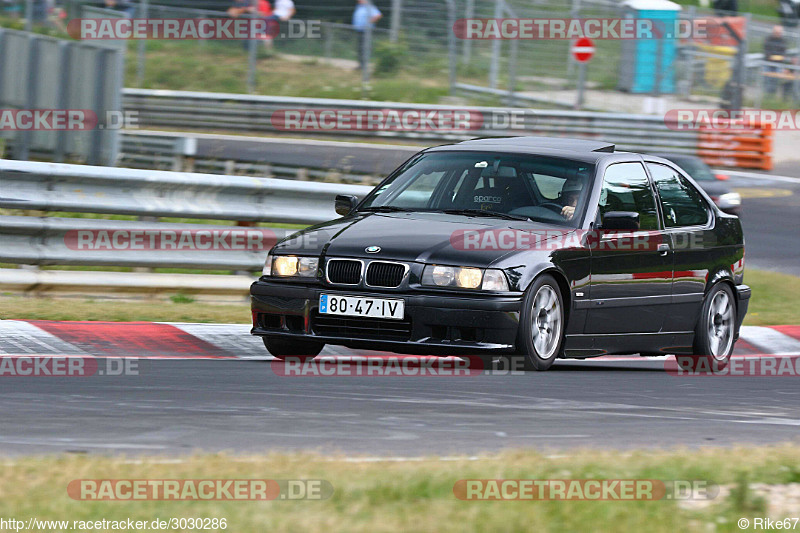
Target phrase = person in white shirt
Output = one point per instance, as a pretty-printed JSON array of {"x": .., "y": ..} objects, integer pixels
[{"x": 283, "y": 10}]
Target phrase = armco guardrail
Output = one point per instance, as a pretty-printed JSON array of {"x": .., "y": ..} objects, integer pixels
[
  {"x": 27, "y": 187},
  {"x": 47, "y": 241},
  {"x": 122, "y": 191},
  {"x": 254, "y": 114}
]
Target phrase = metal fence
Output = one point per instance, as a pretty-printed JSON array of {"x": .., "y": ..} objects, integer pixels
[
  {"x": 252, "y": 113},
  {"x": 714, "y": 70},
  {"x": 41, "y": 72}
]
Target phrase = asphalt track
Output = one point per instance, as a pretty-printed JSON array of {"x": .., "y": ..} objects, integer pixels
[
  {"x": 179, "y": 406},
  {"x": 248, "y": 405},
  {"x": 242, "y": 406}
]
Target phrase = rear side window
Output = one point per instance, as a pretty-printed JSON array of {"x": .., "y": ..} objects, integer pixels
[
  {"x": 681, "y": 202},
  {"x": 626, "y": 188}
]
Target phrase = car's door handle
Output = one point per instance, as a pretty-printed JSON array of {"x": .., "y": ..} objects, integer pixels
[{"x": 663, "y": 249}]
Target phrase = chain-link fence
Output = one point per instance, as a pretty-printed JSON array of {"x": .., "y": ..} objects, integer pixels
[{"x": 727, "y": 69}]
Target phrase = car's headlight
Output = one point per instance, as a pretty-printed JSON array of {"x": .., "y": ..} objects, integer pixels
[
  {"x": 730, "y": 199},
  {"x": 267, "y": 270},
  {"x": 289, "y": 266},
  {"x": 494, "y": 280},
  {"x": 464, "y": 278}
]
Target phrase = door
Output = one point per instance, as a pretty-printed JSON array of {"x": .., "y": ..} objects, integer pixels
[
  {"x": 687, "y": 218},
  {"x": 631, "y": 271}
]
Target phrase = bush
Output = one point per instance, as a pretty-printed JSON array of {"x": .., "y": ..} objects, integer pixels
[{"x": 388, "y": 57}]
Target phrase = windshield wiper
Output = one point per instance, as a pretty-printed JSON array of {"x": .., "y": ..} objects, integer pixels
[
  {"x": 484, "y": 213},
  {"x": 387, "y": 209}
]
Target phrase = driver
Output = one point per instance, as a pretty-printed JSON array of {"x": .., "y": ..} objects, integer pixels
[{"x": 569, "y": 198}]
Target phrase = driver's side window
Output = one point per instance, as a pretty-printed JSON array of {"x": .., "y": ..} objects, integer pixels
[{"x": 626, "y": 188}]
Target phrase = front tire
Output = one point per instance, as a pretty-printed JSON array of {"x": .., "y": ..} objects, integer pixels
[
  {"x": 713, "y": 336},
  {"x": 541, "y": 324},
  {"x": 282, "y": 348}
]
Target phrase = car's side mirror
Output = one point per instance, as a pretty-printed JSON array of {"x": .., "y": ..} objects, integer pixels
[
  {"x": 345, "y": 204},
  {"x": 620, "y": 220}
]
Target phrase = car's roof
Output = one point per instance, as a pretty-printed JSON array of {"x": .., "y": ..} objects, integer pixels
[
  {"x": 674, "y": 156},
  {"x": 579, "y": 149}
]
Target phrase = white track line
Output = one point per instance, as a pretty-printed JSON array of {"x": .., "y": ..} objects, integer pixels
[
  {"x": 738, "y": 173},
  {"x": 771, "y": 341},
  {"x": 233, "y": 338},
  {"x": 21, "y": 338}
]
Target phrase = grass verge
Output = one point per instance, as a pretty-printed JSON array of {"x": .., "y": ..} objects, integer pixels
[
  {"x": 774, "y": 299},
  {"x": 418, "y": 495},
  {"x": 773, "y": 302},
  {"x": 180, "y": 308}
]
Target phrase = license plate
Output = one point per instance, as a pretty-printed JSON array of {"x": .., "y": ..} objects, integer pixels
[{"x": 331, "y": 304}]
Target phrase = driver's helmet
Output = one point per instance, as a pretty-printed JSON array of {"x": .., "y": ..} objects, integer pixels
[{"x": 570, "y": 191}]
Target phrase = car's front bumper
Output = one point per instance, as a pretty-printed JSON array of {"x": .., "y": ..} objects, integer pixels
[
  {"x": 433, "y": 324},
  {"x": 743, "y": 293}
]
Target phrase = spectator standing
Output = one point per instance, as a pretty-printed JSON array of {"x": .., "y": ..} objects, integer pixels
[
  {"x": 774, "y": 51},
  {"x": 283, "y": 10},
  {"x": 364, "y": 17}
]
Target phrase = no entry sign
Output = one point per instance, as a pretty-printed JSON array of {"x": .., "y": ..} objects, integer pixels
[{"x": 583, "y": 49}]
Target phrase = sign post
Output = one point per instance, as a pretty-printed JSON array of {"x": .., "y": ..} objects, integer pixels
[{"x": 582, "y": 51}]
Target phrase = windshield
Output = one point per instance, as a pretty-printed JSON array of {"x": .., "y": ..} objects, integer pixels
[{"x": 543, "y": 189}]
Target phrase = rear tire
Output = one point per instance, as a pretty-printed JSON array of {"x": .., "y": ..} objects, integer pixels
[
  {"x": 713, "y": 336},
  {"x": 541, "y": 324},
  {"x": 283, "y": 348}
]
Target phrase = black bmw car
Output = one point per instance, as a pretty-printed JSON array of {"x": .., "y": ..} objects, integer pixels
[{"x": 534, "y": 247}]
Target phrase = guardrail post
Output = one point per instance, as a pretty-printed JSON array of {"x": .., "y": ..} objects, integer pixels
[
  {"x": 65, "y": 59},
  {"x": 96, "y": 150}
]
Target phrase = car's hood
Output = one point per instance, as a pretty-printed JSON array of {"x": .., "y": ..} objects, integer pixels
[{"x": 421, "y": 237}]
